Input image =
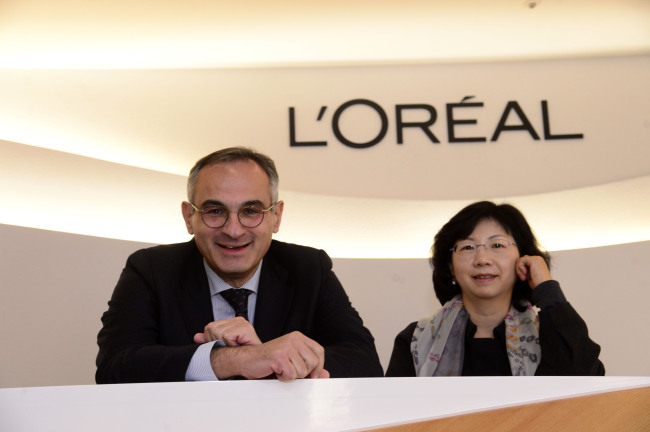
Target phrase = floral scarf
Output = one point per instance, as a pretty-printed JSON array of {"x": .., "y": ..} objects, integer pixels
[{"x": 438, "y": 342}]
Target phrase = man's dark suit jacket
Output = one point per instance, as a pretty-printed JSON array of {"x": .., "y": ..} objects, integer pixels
[{"x": 163, "y": 298}]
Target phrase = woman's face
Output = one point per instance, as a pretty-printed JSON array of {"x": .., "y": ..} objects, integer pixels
[{"x": 487, "y": 273}]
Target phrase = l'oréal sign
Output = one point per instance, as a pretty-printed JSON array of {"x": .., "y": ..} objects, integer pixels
[{"x": 453, "y": 126}]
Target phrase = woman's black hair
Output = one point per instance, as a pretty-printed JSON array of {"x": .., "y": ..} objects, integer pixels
[{"x": 461, "y": 226}]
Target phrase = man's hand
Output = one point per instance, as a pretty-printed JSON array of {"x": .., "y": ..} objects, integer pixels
[
  {"x": 233, "y": 332},
  {"x": 532, "y": 269},
  {"x": 288, "y": 357}
]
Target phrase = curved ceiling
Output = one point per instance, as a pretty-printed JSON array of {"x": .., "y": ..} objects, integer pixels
[{"x": 123, "y": 34}]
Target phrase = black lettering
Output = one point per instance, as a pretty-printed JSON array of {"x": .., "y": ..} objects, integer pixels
[
  {"x": 400, "y": 124},
  {"x": 452, "y": 122},
  {"x": 347, "y": 142},
  {"x": 547, "y": 127},
  {"x": 525, "y": 123},
  {"x": 292, "y": 132}
]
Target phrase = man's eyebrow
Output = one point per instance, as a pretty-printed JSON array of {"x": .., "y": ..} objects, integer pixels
[
  {"x": 253, "y": 203},
  {"x": 212, "y": 203},
  {"x": 215, "y": 203}
]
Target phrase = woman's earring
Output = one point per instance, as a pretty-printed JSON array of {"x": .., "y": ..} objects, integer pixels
[{"x": 453, "y": 281}]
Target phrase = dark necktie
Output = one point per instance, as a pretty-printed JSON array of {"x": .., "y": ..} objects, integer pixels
[{"x": 238, "y": 299}]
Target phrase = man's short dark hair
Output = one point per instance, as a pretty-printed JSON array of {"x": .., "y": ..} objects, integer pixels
[{"x": 235, "y": 154}]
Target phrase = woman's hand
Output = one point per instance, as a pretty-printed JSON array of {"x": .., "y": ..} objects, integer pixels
[{"x": 532, "y": 269}]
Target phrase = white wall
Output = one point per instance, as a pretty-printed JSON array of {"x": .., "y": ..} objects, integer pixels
[{"x": 55, "y": 287}]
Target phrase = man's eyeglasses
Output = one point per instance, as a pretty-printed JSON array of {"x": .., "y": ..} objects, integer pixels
[
  {"x": 468, "y": 249},
  {"x": 217, "y": 216}
]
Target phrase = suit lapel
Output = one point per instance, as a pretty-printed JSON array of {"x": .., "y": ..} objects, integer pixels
[
  {"x": 274, "y": 299},
  {"x": 194, "y": 295}
]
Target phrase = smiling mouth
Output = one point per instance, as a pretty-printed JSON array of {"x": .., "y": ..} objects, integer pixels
[
  {"x": 233, "y": 247},
  {"x": 484, "y": 276}
]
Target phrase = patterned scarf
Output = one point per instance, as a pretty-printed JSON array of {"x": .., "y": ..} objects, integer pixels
[{"x": 438, "y": 342}]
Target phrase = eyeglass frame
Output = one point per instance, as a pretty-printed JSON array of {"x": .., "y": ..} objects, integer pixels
[
  {"x": 201, "y": 212},
  {"x": 453, "y": 249}
]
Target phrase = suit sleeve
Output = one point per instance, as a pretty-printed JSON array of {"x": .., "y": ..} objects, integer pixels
[
  {"x": 349, "y": 346},
  {"x": 563, "y": 336},
  {"x": 401, "y": 360},
  {"x": 131, "y": 348}
]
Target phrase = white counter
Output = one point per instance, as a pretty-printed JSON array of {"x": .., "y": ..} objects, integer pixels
[{"x": 305, "y": 405}]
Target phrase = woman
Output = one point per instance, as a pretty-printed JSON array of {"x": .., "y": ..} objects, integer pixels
[{"x": 487, "y": 270}]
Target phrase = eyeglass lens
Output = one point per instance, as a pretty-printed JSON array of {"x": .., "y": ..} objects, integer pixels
[
  {"x": 216, "y": 217},
  {"x": 496, "y": 246}
]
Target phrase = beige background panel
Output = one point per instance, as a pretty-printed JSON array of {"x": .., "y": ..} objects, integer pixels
[{"x": 165, "y": 120}]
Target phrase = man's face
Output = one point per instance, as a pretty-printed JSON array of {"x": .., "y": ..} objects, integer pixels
[{"x": 233, "y": 251}]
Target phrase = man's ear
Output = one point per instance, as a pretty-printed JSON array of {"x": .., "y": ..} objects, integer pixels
[
  {"x": 279, "y": 207},
  {"x": 186, "y": 209}
]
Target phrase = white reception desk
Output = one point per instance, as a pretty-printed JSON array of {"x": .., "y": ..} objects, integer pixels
[{"x": 305, "y": 405}]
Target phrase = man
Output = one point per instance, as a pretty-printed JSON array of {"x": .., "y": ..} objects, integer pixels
[{"x": 172, "y": 318}]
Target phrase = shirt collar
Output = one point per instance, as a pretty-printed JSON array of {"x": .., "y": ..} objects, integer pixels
[{"x": 217, "y": 284}]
